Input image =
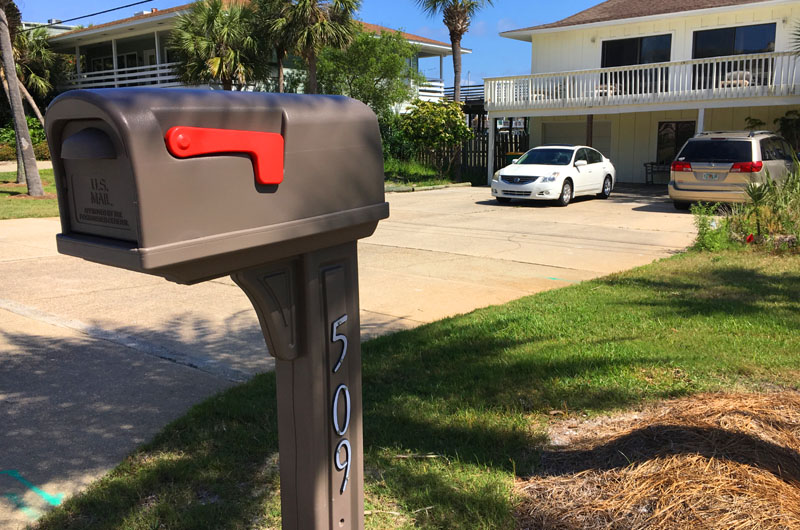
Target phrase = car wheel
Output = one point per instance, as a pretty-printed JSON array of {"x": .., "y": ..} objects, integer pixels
[
  {"x": 503, "y": 200},
  {"x": 605, "y": 193},
  {"x": 566, "y": 193},
  {"x": 681, "y": 205}
]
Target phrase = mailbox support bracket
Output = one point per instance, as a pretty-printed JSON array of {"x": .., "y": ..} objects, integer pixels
[{"x": 309, "y": 314}]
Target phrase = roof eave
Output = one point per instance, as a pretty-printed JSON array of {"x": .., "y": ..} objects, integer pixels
[{"x": 526, "y": 34}]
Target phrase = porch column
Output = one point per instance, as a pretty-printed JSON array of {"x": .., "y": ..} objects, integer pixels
[
  {"x": 589, "y": 129},
  {"x": 490, "y": 154},
  {"x": 701, "y": 118},
  {"x": 441, "y": 68},
  {"x": 114, "y": 60},
  {"x": 78, "y": 60},
  {"x": 158, "y": 54}
]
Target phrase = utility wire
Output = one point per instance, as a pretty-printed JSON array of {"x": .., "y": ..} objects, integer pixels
[{"x": 87, "y": 16}]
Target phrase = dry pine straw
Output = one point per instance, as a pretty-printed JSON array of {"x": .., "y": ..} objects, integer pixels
[{"x": 711, "y": 461}]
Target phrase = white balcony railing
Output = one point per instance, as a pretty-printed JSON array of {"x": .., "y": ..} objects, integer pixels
[
  {"x": 431, "y": 90},
  {"x": 740, "y": 76},
  {"x": 161, "y": 75}
]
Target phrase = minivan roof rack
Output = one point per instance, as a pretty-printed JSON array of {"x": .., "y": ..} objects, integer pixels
[{"x": 753, "y": 133}]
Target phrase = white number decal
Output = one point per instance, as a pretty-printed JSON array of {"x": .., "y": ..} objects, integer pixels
[
  {"x": 341, "y": 430},
  {"x": 342, "y": 338},
  {"x": 344, "y": 444}
]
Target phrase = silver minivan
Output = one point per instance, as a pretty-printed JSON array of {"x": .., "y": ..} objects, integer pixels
[{"x": 718, "y": 166}]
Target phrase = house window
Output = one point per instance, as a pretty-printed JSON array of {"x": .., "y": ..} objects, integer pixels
[
  {"x": 641, "y": 50},
  {"x": 725, "y": 42},
  {"x": 734, "y": 41},
  {"x": 636, "y": 51},
  {"x": 671, "y": 137}
]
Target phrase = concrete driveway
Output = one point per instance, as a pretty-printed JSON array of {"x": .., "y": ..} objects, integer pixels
[{"x": 95, "y": 360}]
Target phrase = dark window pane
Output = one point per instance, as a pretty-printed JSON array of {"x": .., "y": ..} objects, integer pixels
[
  {"x": 581, "y": 155},
  {"x": 755, "y": 39},
  {"x": 713, "y": 43},
  {"x": 655, "y": 49},
  {"x": 621, "y": 52},
  {"x": 549, "y": 157},
  {"x": 717, "y": 151},
  {"x": 768, "y": 149},
  {"x": 787, "y": 150},
  {"x": 671, "y": 137},
  {"x": 594, "y": 156}
]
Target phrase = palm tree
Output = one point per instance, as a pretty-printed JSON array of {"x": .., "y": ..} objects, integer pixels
[
  {"x": 276, "y": 31},
  {"x": 20, "y": 125},
  {"x": 456, "y": 15},
  {"x": 35, "y": 61},
  {"x": 216, "y": 43},
  {"x": 320, "y": 23}
]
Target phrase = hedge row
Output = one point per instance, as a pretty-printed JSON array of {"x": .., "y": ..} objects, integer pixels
[{"x": 8, "y": 152}]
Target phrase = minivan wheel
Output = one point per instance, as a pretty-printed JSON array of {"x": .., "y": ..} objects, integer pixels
[
  {"x": 681, "y": 205},
  {"x": 566, "y": 193},
  {"x": 605, "y": 193}
]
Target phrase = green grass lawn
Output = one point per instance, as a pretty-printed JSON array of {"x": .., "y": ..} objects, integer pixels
[
  {"x": 473, "y": 395},
  {"x": 14, "y": 206}
]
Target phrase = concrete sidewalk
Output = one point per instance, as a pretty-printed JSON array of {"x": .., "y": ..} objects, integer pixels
[
  {"x": 12, "y": 166},
  {"x": 95, "y": 360}
]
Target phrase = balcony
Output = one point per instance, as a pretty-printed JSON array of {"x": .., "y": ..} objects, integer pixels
[
  {"x": 717, "y": 78},
  {"x": 431, "y": 90},
  {"x": 161, "y": 75}
]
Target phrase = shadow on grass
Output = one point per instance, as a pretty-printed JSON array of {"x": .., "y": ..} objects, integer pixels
[
  {"x": 469, "y": 389},
  {"x": 732, "y": 290},
  {"x": 657, "y": 441}
]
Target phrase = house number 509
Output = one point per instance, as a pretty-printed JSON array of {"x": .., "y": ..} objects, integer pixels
[{"x": 340, "y": 425}]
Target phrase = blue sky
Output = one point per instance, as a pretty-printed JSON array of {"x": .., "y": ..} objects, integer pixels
[{"x": 492, "y": 55}]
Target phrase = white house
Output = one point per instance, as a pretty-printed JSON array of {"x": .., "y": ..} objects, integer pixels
[
  {"x": 133, "y": 52},
  {"x": 642, "y": 76}
]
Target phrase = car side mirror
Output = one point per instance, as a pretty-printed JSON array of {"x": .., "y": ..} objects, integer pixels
[
  {"x": 579, "y": 163},
  {"x": 516, "y": 160}
]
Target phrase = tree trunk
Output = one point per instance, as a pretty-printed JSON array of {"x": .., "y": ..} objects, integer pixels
[
  {"x": 31, "y": 102},
  {"x": 20, "y": 125},
  {"x": 18, "y": 149},
  {"x": 455, "y": 40},
  {"x": 280, "y": 54},
  {"x": 312, "y": 73}
]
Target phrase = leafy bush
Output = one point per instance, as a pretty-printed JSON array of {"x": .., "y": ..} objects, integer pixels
[
  {"x": 42, "y": 151},
  {"x": 771, "y": 218},
  {"x": 8, "y": 152},
  {"x": 395, "y": 145},
  {"x": 408, "y": 171},
  {"x": 8, "y": 136},
  {"x": 437, "y": 128},
  {"x": 712, "y": 232}
]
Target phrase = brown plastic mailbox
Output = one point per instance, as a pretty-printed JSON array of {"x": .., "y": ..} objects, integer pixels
[{"x": 271, "y": 189}]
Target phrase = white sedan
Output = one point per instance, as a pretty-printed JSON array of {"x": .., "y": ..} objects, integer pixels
[{"x": 555, "y": 172}]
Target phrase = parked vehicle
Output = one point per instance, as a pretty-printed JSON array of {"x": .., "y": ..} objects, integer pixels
[
  {"x": 718, "y": 166},
  {"x": 555, "y": 172}
]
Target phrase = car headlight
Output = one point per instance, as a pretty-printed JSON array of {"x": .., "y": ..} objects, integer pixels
[
  {"x": 496, "y": 175},
  {"x": 551, "y": 178}
]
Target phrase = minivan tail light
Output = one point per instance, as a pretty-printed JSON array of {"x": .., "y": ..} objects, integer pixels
[
  {"x": 681, "y": 166},
  {"x": 747, "y": 167}
]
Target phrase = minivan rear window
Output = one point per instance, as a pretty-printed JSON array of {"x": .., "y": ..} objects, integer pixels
[{"x": 717, "y": 151}]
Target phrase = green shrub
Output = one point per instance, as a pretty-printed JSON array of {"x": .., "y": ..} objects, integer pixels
[
  {"x": 42, "y": 151},
  {"x": 712, "y": 231},
  {"x": 408, "y": 171},
  {"x": 8, "y": 152},
  {"x": 7, "y": 135}
]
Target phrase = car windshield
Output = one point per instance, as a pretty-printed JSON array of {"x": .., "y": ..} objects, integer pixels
[
  {"x": 717, "y": 151},
  {"x": 547, "y": 157}
]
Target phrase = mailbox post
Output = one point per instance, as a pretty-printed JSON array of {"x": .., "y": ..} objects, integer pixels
[{"x": 273, "y": 190}]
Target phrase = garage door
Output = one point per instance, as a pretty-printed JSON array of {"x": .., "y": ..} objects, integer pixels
[{"x": 562, "y": 132}]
